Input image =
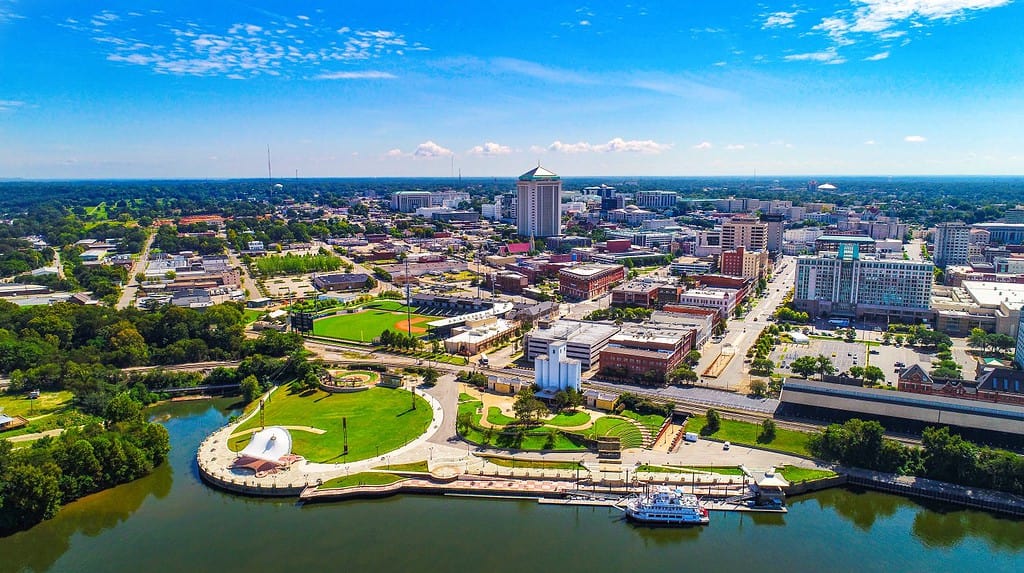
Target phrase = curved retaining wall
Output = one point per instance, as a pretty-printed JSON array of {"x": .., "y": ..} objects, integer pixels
[{"x": 342, "y": 389}]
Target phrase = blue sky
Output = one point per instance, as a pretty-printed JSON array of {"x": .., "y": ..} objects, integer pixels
[{"x": 199, "y": 89}]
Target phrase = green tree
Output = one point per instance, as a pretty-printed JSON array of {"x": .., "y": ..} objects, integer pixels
[
  {"x": 947, "y": 456},
  {"x": 714, "y": 421},
  {"x": 123, "y": 408},
  {"x": 767, "y": 434},
  {"x": 250, "y": 388},
  {"x": 804, "y": 366},
  {"x": 825, "y": 366},
  {"x": 873, "y": 374},
  {"x": 527, "y": 406},
  {"x": 693, "y": 357},
  {"x": 978, "y": 338},
  {"x": 758, "y": 387},
  {"x": 682, "y": 375},
  {"x": 30, "y": 494},
  {"x": 762, "y": 366}
]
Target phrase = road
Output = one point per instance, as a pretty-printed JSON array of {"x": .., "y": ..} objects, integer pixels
[
  {"x": 130, "y": 290},
  {"x": 743, "y": 332},
  {"x": 248, "y": 285}
]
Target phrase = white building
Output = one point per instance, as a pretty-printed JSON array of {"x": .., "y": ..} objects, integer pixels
[
  {"x": 951, "y": 240},
  {"x": 409, "y": 201},
  {"x": 555, "y": 371},
  {"x": 658, "y": 200}
]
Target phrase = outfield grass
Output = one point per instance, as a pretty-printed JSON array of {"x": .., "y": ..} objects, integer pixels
[
  {"x": 746, "y": 433},
  {"x": 379, "y": 420},
  {"x": 367, "y": 324},
  {"x": 362, "y": 478},
  {"x": 793, "y": 474},
  {"x": 569, "y": 420}
]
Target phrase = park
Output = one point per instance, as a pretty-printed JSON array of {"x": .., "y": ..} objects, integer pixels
[{"x": 376, "y": 421}]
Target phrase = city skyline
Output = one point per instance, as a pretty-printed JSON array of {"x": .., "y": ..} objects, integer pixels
[{"x": 864, "y": 87}]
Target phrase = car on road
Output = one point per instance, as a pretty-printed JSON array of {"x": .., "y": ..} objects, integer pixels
[{"x": 726, "y": 446}]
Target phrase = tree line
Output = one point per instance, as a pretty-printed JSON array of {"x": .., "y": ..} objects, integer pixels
[
  {"x": 292, "y": 264},
  {"x": 35, "y": 481},
  {"x": 943, "y": 455}
]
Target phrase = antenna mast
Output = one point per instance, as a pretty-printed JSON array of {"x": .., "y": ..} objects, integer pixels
[{"x": 270, "y": 172}]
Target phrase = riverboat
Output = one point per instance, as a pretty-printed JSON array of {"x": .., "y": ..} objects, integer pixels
[{"x": 667, "y": 506}]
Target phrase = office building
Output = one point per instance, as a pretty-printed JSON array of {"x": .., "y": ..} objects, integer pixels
[
  {"x": 951, "y": 240},
  {"x": 744, "y": 263},
  {"x": 775, "y": 223},
  {"x": 583, "y": 340},
  {"x": 846, "y": 284},
  {"x": 410, "y": 201},
  {"x": 539, "y": 204},
  {"x": 744, "y": 232},
  {"x": 585, "y": 282},
  {"x": 657, "y": 200}
]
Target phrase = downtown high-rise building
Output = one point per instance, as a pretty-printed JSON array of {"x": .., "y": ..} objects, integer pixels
[
  {"x": 746, "y": 232},
  {"x": 539, "y": 203},
  {"x": 951, "y": 241}
]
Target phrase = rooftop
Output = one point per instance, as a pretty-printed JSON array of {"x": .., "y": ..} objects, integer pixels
[
  {"x": 575, "y": 331},
  {"x": 590, "y": 270},
  {"x": 539, "y": 174},
  {"x": 992, "y": 294}
]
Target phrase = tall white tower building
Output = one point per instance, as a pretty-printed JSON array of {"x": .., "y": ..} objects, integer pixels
[{"x": 539, "y": 203}]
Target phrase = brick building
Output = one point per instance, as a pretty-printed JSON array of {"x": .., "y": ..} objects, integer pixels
[
  {"x": 646, "y": 354},
  {"x": 585, "y": 282}
]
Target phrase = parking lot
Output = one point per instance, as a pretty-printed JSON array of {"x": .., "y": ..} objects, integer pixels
[{"x": 847, "y": 354}]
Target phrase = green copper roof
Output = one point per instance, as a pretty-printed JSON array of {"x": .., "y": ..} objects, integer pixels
[{"x": 538, "y": 174}]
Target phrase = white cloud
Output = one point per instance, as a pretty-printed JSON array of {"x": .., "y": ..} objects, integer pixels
[
  {"x": 869, "y": 142},
  {"x": 877, "y": 57},
  {"x": 580, "y": 147},
  {"x": 915, "y": 139},
  {"x": 536, "y": 149},
  {"x": 779, "y": 20},
  {"x": 429, "y": 150},
  {"x": 735, "y": 147},
  {"x": 490, "y": 149},
  {"x": 584, "y": 22},
  {"x": 703, "y": 145},
  {"x": 394, "y": 153},
  {"x": 616, "y": 145},
  {"x": 829, "y": 56},
  {"x": 243, "y": 49},
  {"x": 10, "y": 104},
  {"x": 363, "y": 75},
  {"x": 882, "y": 19}
]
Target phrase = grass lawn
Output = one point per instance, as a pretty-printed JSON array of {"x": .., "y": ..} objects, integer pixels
[
  {"x": 652, "y": 421},
  {"x": 495, "y": 417},
  {"x": 535, "y": 465},
  {"x": 47, "y": 403},
  {"x": 628, "y": 433},
  {"x": 367, "y": 324},
  {"x": 409, "y": 467},
  {"x": 746, "y": 433},
  {"x": 379, "y": 420},
  {"x": 794, "y": 474},
  {"x": 720, "y": 470},
  {"x": 252, "y": 315},
  {"x": 362, "y": 478},
  {"x": 536, "y": 439},
  {"x": 463, "y": 397},
  {"x": 569, "y": 420}
]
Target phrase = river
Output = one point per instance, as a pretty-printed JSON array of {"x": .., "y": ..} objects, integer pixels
[{"x": 170, "y": 521}]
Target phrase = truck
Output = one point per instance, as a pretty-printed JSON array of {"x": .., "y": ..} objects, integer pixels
[{"x": 483, "y": 359}]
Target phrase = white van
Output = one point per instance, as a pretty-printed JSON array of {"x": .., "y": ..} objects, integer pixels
[{"x": 691, "y": 437}]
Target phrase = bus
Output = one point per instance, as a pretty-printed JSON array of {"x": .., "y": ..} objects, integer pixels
[{"x": 839, "y": 322}]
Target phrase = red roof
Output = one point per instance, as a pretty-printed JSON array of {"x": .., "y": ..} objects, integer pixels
[{"x": 518, "y": 248}]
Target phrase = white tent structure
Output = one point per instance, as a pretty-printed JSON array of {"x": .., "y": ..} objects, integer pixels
[
  {"x": 268, "y": 451},
  {"x": 271, "y": 444}
]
